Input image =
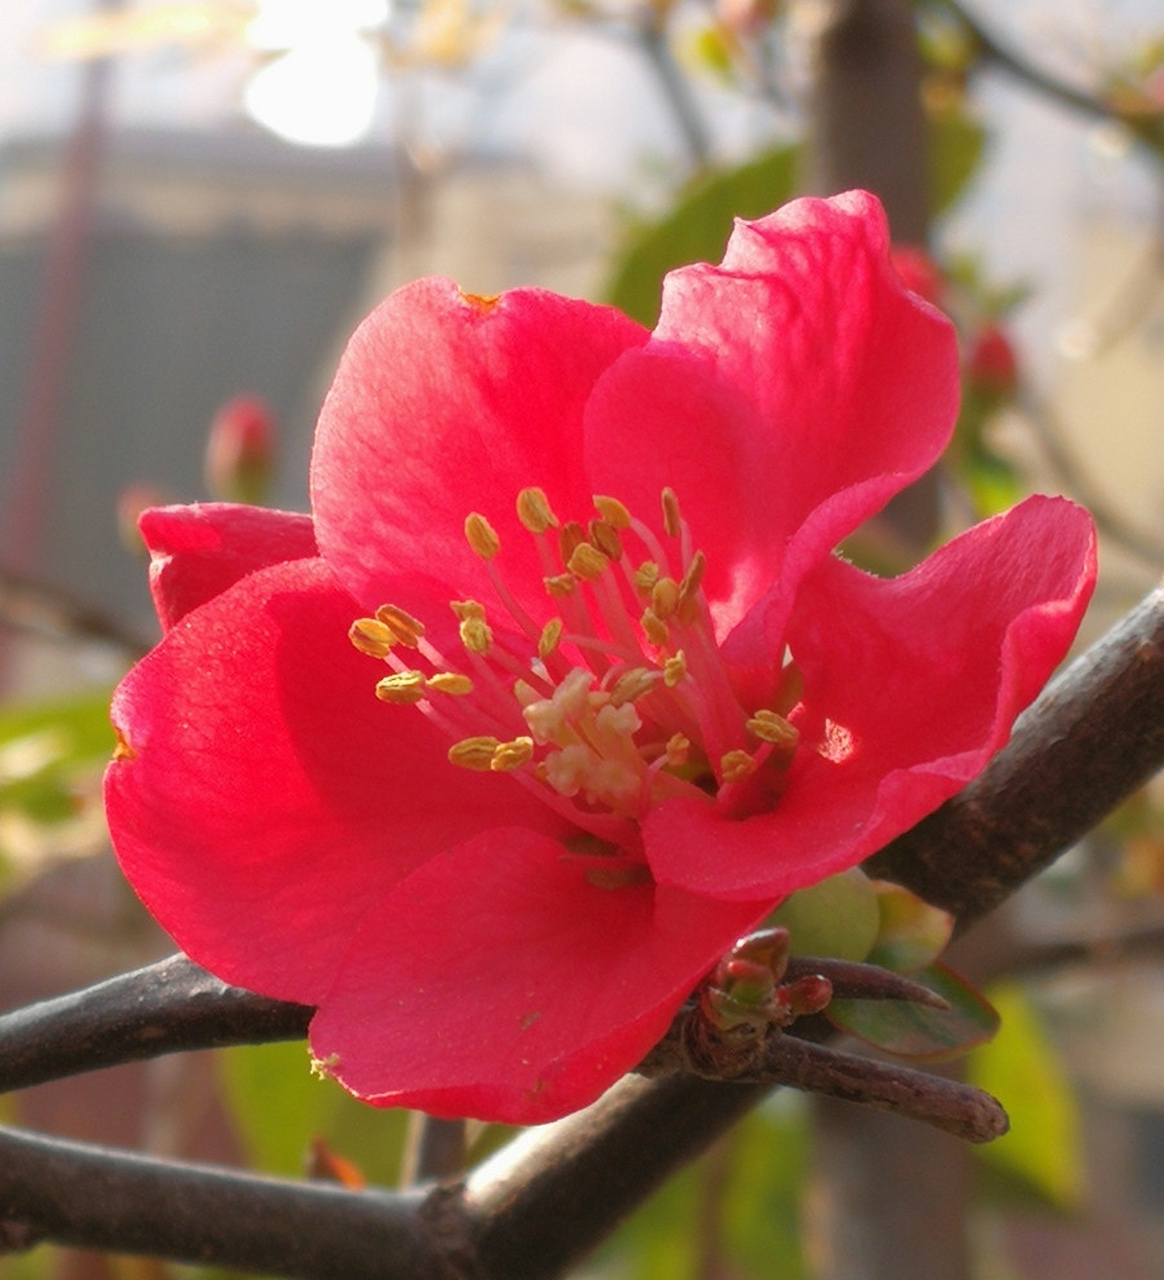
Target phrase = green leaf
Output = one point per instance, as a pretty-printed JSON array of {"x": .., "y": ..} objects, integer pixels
[
  {"x": 44, "y": 748},
  {"x": 957, "y": 146},
  {"x": 916, "y": 1031},
  {"x": 911, "y": 932},
  {"x": 280, "y": 1107},
  {"x": 839, "y": 917},
  {"x": 697, "y": 228},
  {"x": 1022, "y": 1069}
]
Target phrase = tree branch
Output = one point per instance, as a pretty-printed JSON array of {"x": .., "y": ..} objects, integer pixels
[{"x": 1095, "y": 735}]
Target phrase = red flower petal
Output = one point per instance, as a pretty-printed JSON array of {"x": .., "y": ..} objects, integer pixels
[
  {"x": 197, "y": 551},
  {"x": 786, "y": 395},
  {"x": 264, "y": 796},
  {"x": 529, "y": 1004},
  {"x": 911, "y": 684},
  {"x": 443, "y": 404}
]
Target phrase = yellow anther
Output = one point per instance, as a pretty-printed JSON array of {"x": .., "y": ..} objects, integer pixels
[
  {"x": 467, "y": 609},
  {"x": 678, "y": 750},
  {"x": 656, "y": 629},
  {"x": 402, "y": 687},
  {"x": 671, "y": 520},
  {"x": 770, "y": 726},
  {"x": 612, "y": 511},
  {"x": 633, "y": 684},
  {"x": 534, "y": 511},
  {"x": 605, "y": 537},
  {"x": 371, "y": 637},
  {"x": 481, "y": 535},
  {"x": 474, "y": 753},
  {"x": 674, "y": 669},
  {"x": 570, "y": 535},
  {"x": 406, "y": 629},
  {"x": 735, "y": 766},
  {"x": 587, "y": 562},
  {"x": 551, "y": 635},
  {"x": 511, "y": 755},
  {"x": 450, "y": 682},
  {"x": 665, "y": 598},
  {"x": 561, "y": 584},
  {"x": 476, "y": 635},
  {"x": 646, "y": 575}
]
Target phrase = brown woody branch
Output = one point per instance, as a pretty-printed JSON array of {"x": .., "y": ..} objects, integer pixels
[{"x": 1095, "y": 735}]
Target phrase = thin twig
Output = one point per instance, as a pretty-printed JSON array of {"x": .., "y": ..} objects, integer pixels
[
  {"x": 29, "y": 605},
  {"x": 1146, "y": 128}
]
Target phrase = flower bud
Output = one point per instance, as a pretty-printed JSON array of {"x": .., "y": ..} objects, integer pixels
[
  {"x": 240, "y": 451},
  {"x": 991, "y": 364}
]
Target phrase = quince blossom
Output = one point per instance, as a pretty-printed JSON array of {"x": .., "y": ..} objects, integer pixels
[{"x": 561, "y": 687}]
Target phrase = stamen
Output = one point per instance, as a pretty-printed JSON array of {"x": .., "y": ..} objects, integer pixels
[
  {"x": 655, "y": 628},
  {"x": 632, "y": 684},
  {"x": 587, "y": 562},
  {"x": 406, "y": 629},
  {"x": 467, "y": 609},
  {"x": 605, "y": 537},
  {"x": 402, "y": 688},
  {"x": 561, "y": 584},
  {"x": 672, "y": 522},
  {"x": 550, "y": 637},
  {"x": 645, "y": 577},
  {"x": 678, "y": 750},
  {"x": 665, "y": 598},
  {"x": 476, "y": 635},
  {"x": 735, "y": 766},
  {"x": 675, "y": 669},
  {"x": 371, "y": 637},
  {"x": 511, "y": 755},
  {"x": 481, "y": 536},
  {"x": 474, "y": 753},
  {"x": 450, "y": 682},
  {"x": 534, "y": 511},
  {"x": 770, "y": 726},
  {"x": 612, "y": 511},
  {"x": 689, "y": 589},
  {"x": 569, "y": 536}
]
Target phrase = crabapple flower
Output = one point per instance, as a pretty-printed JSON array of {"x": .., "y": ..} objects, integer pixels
[{"x": 562, "y": 687}]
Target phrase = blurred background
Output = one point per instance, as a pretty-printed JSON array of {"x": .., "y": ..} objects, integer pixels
[{"x": 198, "y": 201}]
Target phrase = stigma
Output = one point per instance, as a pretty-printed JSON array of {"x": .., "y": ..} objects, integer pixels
[{"x": 616, "y": 697}]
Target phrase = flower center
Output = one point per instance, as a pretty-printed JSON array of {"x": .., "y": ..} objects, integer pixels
[{"x": 616, "y": 701}]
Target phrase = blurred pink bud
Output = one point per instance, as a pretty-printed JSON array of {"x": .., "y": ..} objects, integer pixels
[
  {"x": 240, "y": 451},
  {"x": 991, "y": 364},
  {"x": 747, "y": 17}
]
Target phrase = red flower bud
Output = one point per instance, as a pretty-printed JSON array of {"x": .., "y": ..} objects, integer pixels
[
  {"x": 240, "y": 451},
  {"x": 991, "y": 364}
]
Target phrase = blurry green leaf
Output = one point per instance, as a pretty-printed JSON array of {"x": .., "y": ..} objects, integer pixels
[
  {"x": 697, "y": 228},
  {"x": 279, "y": 1107},
  {"x": 957, "y": 145},
  {"x": 44, "y": 747},
  {"x": 838, "y": 917},
  {"x": 916, "y": 1031},
  {"x": 1021, "y": 1068},
  {"x": 911, "y": 932},
  {"x": 735, "y": 1212}
]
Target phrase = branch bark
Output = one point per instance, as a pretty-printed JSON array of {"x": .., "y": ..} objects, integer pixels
[{"x": 1095, "y": 735}]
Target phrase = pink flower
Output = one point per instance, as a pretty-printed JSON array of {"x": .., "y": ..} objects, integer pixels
[{"x": 498, "y": 854}]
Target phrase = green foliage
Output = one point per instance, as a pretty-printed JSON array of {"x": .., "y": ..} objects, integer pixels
[
  {"x": 697, "y": 228},
  {"x": 736, "y": 1212},
  {"x": 1041, "y": 1153},
  {"x": 918, "y": 1031},
  {"x": 43, "y": 748},
  {"x": 957, "y": 146},
  {"x": 911, "y": 932},
  {"x": 280, "y": 1108},
  {"x": 839, "y": 917}
]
